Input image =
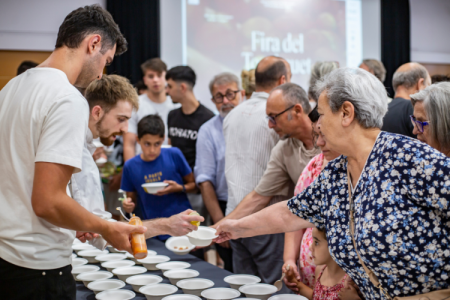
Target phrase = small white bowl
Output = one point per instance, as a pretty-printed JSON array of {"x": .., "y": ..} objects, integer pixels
[
  {"x": 74, "y": 255},
  {"x": 179, "y": 245},
  {"x": 81, "y": 246},
  {"x": 238, "y": 280},
  {"x": 105, "y": 285},
  {"x": 110, "y": 257},
  {"x": 76, "y": 241},
  {"x": 181, "y": 297},
  {"x": 88, "y": 277},
  {"x": 286, "y": 297},
  {"x": 83, "y": 269},
  {"x": 124, "y": 272},
  {"x": 179, "y": 274},
  {"x": 78, "y": 261},
  {"x": 150, "y": 262},
  {"x": 149, "y": 253},
  {"x": 202, "y": 237},
  {"x": 158, "y": 291},
  {"x": 115, "y": 295},
  {"x": 172, "y": 265},
  {"x": 91, "y": 254},
  {"x": 261, "y": 291},
  {"x": 195, "y": 286},
  {"x": 111, "y": 265},
  {"x": 138, "y": 281},
  {"x": 220, "y": 294},
  {"x": 154, "y": 187}
]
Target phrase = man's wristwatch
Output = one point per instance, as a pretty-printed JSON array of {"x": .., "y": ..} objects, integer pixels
[{"x": 184, "y": 188}]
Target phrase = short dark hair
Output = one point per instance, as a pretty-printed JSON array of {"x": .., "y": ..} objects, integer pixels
[
  {"x": 25, "y": 65},
  {"x": 151, "y": 124},
  {"x": 140, "y": 85},
  {"x": 154, "y": 64},
  {"x": 270, "y": 75},
  {"x": 439, "y": 78},
  {"x": 182, "y": 74},
  {"x": 89, "y": 20}
]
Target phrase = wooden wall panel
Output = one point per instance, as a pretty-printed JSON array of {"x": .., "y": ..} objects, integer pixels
[
  {"x": 10, "y": 61},
  {"x": 437, "y": 69}
]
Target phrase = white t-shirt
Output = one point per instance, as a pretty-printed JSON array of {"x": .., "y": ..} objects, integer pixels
[
  {"x": 148, "y": 107},
  {"x": 43, "y": 118}
]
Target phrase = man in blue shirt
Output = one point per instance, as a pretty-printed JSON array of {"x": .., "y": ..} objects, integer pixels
[
  {"x": 157, "y": 165},
  {"x": 209, "y": 170}
]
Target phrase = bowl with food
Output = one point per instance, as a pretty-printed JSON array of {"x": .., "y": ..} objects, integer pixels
[{"x": 179, "y": 245}]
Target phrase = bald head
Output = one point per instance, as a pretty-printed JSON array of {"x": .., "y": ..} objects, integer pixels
[
  {"x": 411, "y": 75},
  {"x": 271, "y": 72}
]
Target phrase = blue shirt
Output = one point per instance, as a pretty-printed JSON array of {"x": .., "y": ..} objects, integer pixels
[
  {"x": 210, "y": 158},
  {"x": 170, "y": 165},
  {"x": 402, "y": 216}
]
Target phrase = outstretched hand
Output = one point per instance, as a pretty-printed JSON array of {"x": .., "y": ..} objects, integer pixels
[
  {"x": 180, "y": 224},
  {"x": 227, "y": 230},
  {"x": 118, "y": 234}
]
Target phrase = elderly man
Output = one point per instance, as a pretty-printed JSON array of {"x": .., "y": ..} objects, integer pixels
[
  {"x": 249, "y": 142},
  {"x": 209, "y": 169},
  {"x": 409, "y": 79},
  {"x": 375, "y": 67}
]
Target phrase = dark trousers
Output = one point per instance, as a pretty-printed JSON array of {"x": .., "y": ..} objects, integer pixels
[
  {"x": 17, "y": 283},
  {"x": 226, "y": 254}
]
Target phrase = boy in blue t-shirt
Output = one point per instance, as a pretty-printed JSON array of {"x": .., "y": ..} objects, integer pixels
[{"x": 157, "y": 165}]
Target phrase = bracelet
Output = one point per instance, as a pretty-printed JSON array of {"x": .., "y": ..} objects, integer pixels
[{"x": 184, "y": 188}]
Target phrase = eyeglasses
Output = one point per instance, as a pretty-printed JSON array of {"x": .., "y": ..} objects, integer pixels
[
  {"x": 273, "y": 120},
  {"x": 418, "y": 124},
  {"x": 230, "y": 95}
]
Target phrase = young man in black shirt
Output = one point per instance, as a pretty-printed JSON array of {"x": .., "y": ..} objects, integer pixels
[{"x": 184, "y": 122}]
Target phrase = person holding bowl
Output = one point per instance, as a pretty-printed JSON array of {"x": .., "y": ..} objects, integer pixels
[{"x": 384, "y": 203}]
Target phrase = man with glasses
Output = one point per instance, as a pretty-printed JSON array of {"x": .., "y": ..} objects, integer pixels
[
  {"x": 249, "y": 142},
  {"x": 209, "y": 170}
]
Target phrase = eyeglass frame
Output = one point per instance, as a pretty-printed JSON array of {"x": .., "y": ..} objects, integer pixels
[
  {"x": 223, "y": 96},
  {"x": 272, "y": 119},
  {"x": 418, "y": 124}
]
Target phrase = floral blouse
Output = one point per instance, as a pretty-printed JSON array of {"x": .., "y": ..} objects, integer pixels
[
  {"x": 402, "y": 216},
  {"x": 307, "y": 267}
]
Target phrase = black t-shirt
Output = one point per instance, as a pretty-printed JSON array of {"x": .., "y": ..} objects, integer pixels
[
  {"x": 397, "y": 118},
  {"x": 183, "y": 130}
]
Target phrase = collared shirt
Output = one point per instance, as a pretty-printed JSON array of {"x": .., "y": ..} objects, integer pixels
[
  {"x": 43, "y": 118},
  {"x": 210, "y": 157},
  {"x": 287, "y": 161},
  {"x": 249, "y": 141},
  {"x": 86, "y": 185}
]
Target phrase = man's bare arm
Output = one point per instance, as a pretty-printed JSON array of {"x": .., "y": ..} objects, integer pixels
[
  {"x": 129, "y": 145},
  {"x": 176, "y": 225},
  {"x": 51, "y": 203}
]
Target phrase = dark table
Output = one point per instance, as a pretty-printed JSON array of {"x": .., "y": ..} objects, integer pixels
[{"x": 207, "y": 271}]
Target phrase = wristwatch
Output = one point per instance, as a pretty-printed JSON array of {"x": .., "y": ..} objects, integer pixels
[{"x": 184, "y": 188}]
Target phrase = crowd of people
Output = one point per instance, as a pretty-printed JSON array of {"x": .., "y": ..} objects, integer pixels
[{"x": 366, "y": 174}]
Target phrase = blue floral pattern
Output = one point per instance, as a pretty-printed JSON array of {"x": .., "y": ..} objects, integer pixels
[{"x": 402, "y": 216}]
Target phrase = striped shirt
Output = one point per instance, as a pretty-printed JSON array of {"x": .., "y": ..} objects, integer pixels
[{"x": 249, "y": 141}]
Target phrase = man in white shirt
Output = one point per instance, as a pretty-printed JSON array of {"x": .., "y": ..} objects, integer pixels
[
  {"x": 44, "y": 119},
  {"x": 249, "y": 142},
  {"x": 153, "y": 101}
]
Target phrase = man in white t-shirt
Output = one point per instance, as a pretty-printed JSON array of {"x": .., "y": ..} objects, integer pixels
[
  {"x": 44, "y": 120},
  {"x": 153, "y": 101}
]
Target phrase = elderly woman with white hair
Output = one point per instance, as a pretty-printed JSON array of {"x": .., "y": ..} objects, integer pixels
[
  {"x": 431, "y": 117},
  {"x": 384, "y": 203}
]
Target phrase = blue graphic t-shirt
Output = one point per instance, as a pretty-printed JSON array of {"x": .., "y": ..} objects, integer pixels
[{"x": 170, "y": 165}]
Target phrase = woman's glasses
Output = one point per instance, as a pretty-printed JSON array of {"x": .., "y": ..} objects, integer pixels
[{"x": 418, "y": 124}]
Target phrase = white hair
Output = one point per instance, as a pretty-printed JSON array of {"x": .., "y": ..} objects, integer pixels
[
  {"x": 360, "y": 88},
  {"x": 224, "y": 78},
  {"x": 436, "y": 102}
]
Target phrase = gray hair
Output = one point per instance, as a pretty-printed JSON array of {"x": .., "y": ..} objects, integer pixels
[
  {"x": 360, "y": 88},
  {"x": 294, "y": 94},
  {"x": 224, "y": 78},
  {"x": 376, "y": 67},
  {"x": 436, "y": 101},
  {"x": 409, "y": 78},
  {"x": 318, "y": 71}
]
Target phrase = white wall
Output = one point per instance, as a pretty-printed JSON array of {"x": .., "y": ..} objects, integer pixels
[
  {"x": 430, "y": 25},
  {"x": 34, "y": 24}
]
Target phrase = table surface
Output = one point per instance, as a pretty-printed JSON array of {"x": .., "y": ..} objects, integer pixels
[{"x": 206, "y": 270}]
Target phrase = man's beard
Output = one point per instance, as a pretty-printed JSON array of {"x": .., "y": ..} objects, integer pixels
[
  {"x": 105, "y": 136},
  {"x": 222, "y": 111}
]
